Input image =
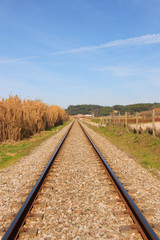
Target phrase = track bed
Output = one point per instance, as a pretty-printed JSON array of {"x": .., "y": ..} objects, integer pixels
[{"x": 77, "y": 199}]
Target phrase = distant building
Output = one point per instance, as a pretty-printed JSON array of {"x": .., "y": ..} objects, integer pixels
[
  {"x": 78, "y": 116},
  {"x": 82, "y": 116},
  {"x": 88, "y": 115},
  {"x": 115, "y": 111}
]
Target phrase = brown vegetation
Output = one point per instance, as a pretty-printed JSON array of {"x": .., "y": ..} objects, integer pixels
[{"x": 19, "y": 119}]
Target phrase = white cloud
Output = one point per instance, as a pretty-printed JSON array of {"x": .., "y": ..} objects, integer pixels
[
  {"x": 118, "y": 71},
  {"x": 142, "y": 40},
  {"x": 147, "y": 74},
  {"x": 16, "y": 60}
]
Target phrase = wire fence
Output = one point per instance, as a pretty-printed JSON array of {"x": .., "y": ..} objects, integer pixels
[{"x": 149, "y": 122}]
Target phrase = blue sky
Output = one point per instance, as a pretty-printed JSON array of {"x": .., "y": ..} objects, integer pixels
[{"x": 80, "y": 51}]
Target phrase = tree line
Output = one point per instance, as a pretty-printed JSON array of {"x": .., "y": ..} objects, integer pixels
[{"x": 98, "y": 110}]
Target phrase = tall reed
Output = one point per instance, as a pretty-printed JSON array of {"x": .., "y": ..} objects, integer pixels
[{"x": 20, "y": 119}]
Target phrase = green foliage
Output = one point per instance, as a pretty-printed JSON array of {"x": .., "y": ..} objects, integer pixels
[
  {"x": 95, "y": 120},
  {"x": 98, "y": 110},
  {"x": 105, "y": 111},
  {"x": 139, "y": 107},
  {"x": 82, "y": 109}
]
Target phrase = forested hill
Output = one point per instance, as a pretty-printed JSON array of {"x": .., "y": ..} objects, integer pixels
[
  {"x": 82, "y": 109},
  {"x": 98, "y": 110}
]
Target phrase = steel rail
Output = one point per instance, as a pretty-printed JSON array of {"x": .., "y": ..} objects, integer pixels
[
  {"x": 16, "y": 224},
  {"x": 143, "y": 226}
]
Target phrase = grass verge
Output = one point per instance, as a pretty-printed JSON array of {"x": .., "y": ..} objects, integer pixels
[
  {"x": 12, "y": 152},
  {"x": 144, "y": 147},
  {"x": 95, "y": 120}
]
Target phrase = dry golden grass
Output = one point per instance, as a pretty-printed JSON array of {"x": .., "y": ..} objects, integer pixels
[{"x": 20, "y": 119}]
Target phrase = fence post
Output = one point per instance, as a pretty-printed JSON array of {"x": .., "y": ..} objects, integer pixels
[
  {"x": 137, "y": 122},
  {"x": 119, "y": 119},
  {"x": 126, "y": 119},
  {"x": 153, "y": 122},
  {"x": 113, "y": 119},
  {"x": 101, "y": 122}
]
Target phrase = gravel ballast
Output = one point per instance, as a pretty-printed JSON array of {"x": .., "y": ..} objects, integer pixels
[
  {"x": 77, "y": 200},
  {"x": 83, "y": 202},
  {"x": 18, "y": 179},
  {"x": 142, "y": 186}
]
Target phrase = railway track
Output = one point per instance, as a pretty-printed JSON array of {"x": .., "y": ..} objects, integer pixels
[{"x": 76, "y": 198}]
